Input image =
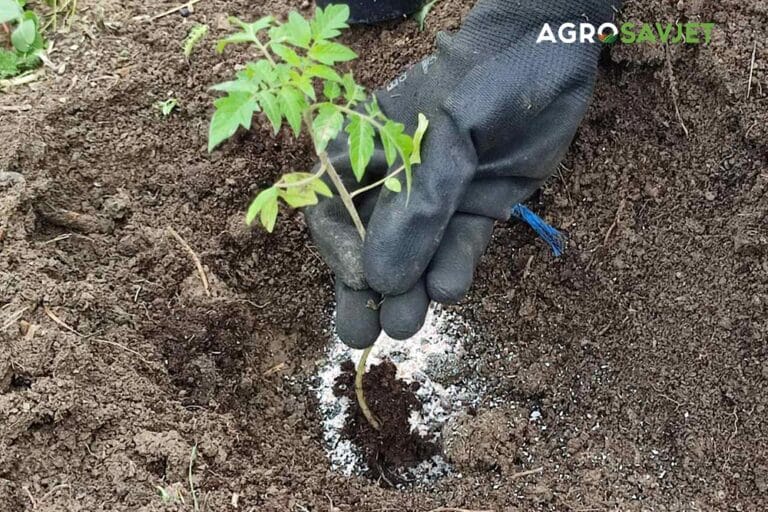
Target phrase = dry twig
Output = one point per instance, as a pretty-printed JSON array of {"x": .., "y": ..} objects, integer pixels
[
  {"x": 174, "y": 9},
  {"x": 521, "y": 474},
  {"x": 195, "y": 259},
  {"x": 675, "y": 93},
  {"x": 12, "y": 319},
  {"x": 752, "y": 69},
  {"x": 15, "y": 108},
  {"x": 66, "y": 327},
  {"x": 616, "y": 221}
]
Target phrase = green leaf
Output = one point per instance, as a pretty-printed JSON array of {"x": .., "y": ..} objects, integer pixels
[
  {"x": 352, "y": 91},
  {"x": 252, "y": 28},
  {"x": 421, "y": 16},
  {"x": 292, "y": 103},
  {"x": 328, "y": 23},
  {"x": 271, "y": 108},
  {"x": 283, "y": 74},
  {"x": 268, "y": 215},
  {"x": 299, "y": 196},
  {"x": 303, "y": 83},
  {"x": 257, "y": 204},
  {"x": 390, "y": 136},
  {"x": 9, "y": 11},
  {"x": 393, "y": 184},
  {"x": 167, "y": 106},
  {"x": 326, "y": 125},
  {"x": 262, "y": 70},
  {"x": 361, "y": 145},
  {"x": 232, "y": 111},
  {"x": 313, "y": 183},
  {"x": 331, "y": 90},
  {"x": 286, "y": 53},
  {"x": 12, "y": 63},
  {"x": 242, "y": 86},
  {"x": 327, "y": 52},
  {"x": 322, "y": 71},
  {"x": 321, "y": 188},
  {"x": 8, "y": 64},
  {"x": 418, "y": 137},
  {"x": 249, "y": 80},
  {"x": 23, "y": 35},
  {"x": 372, "y": 107},
  {"x": 297, "y": 30},
  {"x": 238, "y": 38},
  {"x": 249, "y": 32}
]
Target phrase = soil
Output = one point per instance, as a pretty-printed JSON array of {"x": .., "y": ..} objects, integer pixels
[
  {"x": 389, "y": 451},
  {"x": 633, "y": 371}
]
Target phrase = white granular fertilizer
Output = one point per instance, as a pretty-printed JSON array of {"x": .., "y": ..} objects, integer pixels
[{"x": 424, "y": 358}]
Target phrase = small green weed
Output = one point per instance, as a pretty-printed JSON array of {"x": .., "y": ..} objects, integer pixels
[
  {"x": 167, "y": 107},
  {"x": 196, "y": 34},
  {"x": 20, "y": 52}
]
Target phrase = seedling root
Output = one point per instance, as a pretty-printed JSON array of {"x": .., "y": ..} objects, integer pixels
[{"x": 359, "y": 392}]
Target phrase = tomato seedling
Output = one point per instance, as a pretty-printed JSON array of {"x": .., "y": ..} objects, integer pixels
[{"x": 298, "y": 58}]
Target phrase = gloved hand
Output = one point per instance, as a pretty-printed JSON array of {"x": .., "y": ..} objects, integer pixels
[{"x": 503, "y": 111}]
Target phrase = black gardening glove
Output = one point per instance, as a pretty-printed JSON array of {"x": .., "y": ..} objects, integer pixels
[{"x": 503, "y": 111}]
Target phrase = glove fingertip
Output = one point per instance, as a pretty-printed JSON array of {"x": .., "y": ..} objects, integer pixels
[
  {"x": 449, "y": 289},
  {"x": 357, "y": 325},
  {"x": 403, "y": 316},
  {"x": 388, "y": 278}
]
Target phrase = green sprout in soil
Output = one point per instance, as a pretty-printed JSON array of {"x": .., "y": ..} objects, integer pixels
[
  {"x": 167, "y": 107},
  {"x": 20, "y": 39},
  {"x": 196, "y": 34},
  {"x": 298, "y": 58}
]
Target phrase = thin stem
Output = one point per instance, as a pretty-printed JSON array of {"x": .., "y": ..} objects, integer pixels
[
  {"x": 305, "y": 181},
  {"x": 346, "y": 199},
  {"x": 344, "y": 195},
  {"x": 378, "y": 183},
  {"x": 191, "y": 481},
  {"x": 264, "y": 51},
  {"x": 360, "y": 393},
  {"x": 368, "y": 118}
]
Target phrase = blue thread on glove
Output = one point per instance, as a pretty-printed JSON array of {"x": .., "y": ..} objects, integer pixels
[{"x": 555, "y": 239}]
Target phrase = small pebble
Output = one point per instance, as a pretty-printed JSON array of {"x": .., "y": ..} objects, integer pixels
[{"x": 184, "y": 11}]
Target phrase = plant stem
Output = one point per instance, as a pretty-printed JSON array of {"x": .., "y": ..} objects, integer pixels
[
  {"x": 304, "y": 182},
  {"x": 265, "y": 52},
  {"x": 378, "y": 183},
  {"x": 360, "y": 392},
  {"x": 344, "y": 194},
  {"x": 368, "y": 118},
  {"x": 346, "y": 199}
]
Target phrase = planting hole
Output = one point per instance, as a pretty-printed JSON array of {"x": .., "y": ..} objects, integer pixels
[{"x": 412, "y": 386}]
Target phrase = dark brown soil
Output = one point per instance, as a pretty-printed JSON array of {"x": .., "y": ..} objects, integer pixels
[
  {"x": 644, "y": 349},
  {"x": 393, "y": 448}
]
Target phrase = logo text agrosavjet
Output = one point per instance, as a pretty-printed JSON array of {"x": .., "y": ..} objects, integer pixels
[{"x": 628, "y": 33}]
